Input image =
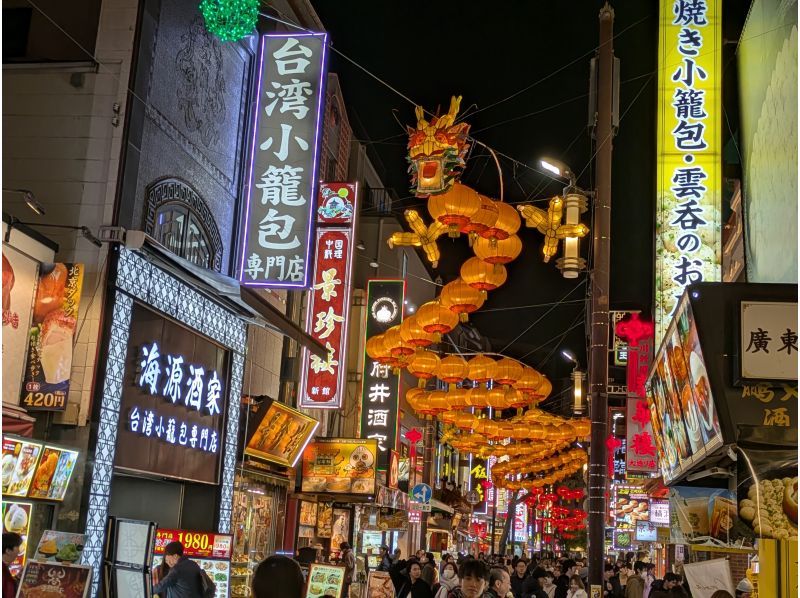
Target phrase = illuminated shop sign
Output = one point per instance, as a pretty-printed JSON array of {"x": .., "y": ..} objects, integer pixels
[
  {"x": 282, "y": 180},
  {"x": 689, "y": 182},
  {"x": 322, "y": 380},
  {"x": 380, "y": 390}
]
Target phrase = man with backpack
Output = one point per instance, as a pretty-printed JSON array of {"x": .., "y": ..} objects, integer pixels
[{"x": 185, "y": 578}]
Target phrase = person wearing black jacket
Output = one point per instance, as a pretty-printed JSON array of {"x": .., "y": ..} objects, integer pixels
[
  {"x": 568, "y": 568},
  {"x": 410, "y": 585},
  {"x": 185, "y": 578},
  {"x": 386, "y": 560},
  {"x": 611, "y": 587},
  {"x": 518, "y": 578}
]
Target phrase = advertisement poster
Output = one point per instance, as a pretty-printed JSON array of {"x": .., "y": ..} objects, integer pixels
[
  {"x": 707, "y": 577},
  {"x": 646, "y": 532},
  {"x": 767, "y": 503},
  {"x": 325, "y": 580},
  {"x": 212, "y": 552},
  {"x": 20, "y": 276},
  {"x": 54, "y": 579},
  {"x": 707, "y": 516},
  {"x": 379, "y": 585},
  {"x": 281, "y": 435},
  {"x": 341, "y": 528},
  {"x": 324, "y": 519},
  {"x": 322, "y": 381},
  {"x": 17, "y": 519},
  {"x": 52, "y": 331},
  {"x": 61, "y": 547},
  {"x": 53, "y": 473},
  {"x": 631, "y": 504},
  {"x": 623, "y": 539},
  {"x": 308, "y": 513},
  {"x": 659, "y": 512},
  {"x": 19, "y": 464},
  {"x": 340, "y": 466}
]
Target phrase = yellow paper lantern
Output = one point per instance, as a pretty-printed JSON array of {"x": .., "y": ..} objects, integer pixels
[
  {"x": 453, "y": 369},
  {"x": 507, "y": 371},
  {"x": 498, "y": 251},
  {"x": 394, "y": 342},
  {"x": 481, "y": 368},
  {"x": 484, "y": 218},
  {"x": 461, "y": 298},
  {"x": 455, "y": 207},
  {"x": 435, "y": 318},
  {"x": 507, "y": 223},
  {"x": 482, "y": 276},
  {"x": 423, "y": 364},
  {"x": 414, "y": 334}
]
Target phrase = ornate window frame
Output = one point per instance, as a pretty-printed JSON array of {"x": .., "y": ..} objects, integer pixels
[
  {"x": 138, "y": 279},
  {"x": 173, "y": 190}
]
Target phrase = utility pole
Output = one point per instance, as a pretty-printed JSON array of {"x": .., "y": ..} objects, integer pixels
[{"x": 598, "y": 360}]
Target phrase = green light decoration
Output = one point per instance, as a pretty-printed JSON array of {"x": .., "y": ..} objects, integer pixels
[{"x": 230, "y": 20}]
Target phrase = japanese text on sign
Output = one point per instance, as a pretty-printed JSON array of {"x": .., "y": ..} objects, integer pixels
[
  {"x": 689, "y": 178},
  {"x": 283, "y": 170},
  {"x": 379, "y": 397},
  {"x": 769, "y": 340}
]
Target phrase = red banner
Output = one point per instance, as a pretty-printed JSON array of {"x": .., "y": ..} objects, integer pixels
[
  {"x": 322, "y": 379},
  {"x": 196, "y": 544}
]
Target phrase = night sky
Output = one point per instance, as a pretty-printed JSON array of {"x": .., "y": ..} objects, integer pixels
[{"x": 539, "y": 51}]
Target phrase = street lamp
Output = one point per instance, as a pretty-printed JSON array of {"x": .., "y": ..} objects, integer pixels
[
  {"x": 577, "y": 382},
  {"x": 558, "y": 168}
]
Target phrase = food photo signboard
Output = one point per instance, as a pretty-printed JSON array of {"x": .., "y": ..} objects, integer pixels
[
  {"x": 211, "y": 551},
  {"x": 55, "y": 316},
  {"x": 19, "y": 464},
  {"x": 281, "y": 434},
  {"x": 17, "y": 519},
  {"x": 35, "y": 470},
  {"x": 173, "y": 401},
  {"x": 340, "y": 466},
  {"x": 325, "y": 580},
  {"x": 43, "y": 578},
  {"x": 61, "y": 547}
]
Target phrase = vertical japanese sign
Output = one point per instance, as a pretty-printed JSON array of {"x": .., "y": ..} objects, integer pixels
[
  {"x": 641, "y": 452},
  {"x": 769, "y": 340},
  {"x": 52, "y": 333},
  {"x": 380, "y": 386},
  {"x": 479, "y": 483},
  {"x": 322, "y": 380},
  {"x": 282, "y": 179},
  {"x": 689, "y": 181}
]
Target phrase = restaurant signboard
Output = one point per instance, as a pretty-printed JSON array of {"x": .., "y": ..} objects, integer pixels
[
  {"x": 340, "y": 466},
  {"x": 280, "y": 435}
]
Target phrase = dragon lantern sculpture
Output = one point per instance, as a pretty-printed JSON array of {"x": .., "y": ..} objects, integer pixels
[{"x": 436, "y": 151}]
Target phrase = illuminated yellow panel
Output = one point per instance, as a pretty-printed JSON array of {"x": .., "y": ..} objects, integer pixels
[{"x": 689, "y": 178}]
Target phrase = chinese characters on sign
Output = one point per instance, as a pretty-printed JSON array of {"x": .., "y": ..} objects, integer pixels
[
  {"x": 322, "y": 380},
  {"x": 479, "y": 483},
  {"x": 774, "y": 400},
  {"x": 167, "y": 376},
  {"x": 689, "y": 160},
  {"x": 769, "y": 340},
  {"x": 283, "y": 171},
  {"x": 641, "y": 454},
  {"x": 380, "y": 390}
]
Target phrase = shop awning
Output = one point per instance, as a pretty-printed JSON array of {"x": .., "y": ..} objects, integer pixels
[
  {"x": 246, "y": 301},
  {"x": 440, "y": 506},
  {"x": 17, "y": 421}
]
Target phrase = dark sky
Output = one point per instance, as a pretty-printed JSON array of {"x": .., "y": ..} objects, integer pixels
[{"x": 487, "y": 51}]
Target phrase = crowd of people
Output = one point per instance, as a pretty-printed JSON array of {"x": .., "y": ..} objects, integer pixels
[{"x": 420, "y": 576}]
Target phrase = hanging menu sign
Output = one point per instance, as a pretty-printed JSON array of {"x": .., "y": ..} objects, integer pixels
[
  {"x": 322, "y": 381},
  {"x": 689, "y": 163},
  {"x": 282, "y": 179},
  {"x": 380, "y": 389}
]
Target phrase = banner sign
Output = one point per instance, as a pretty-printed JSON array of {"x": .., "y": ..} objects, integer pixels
[
  {"x": 380, "y": 385},
  {"x": 52, "y": 335},
  {"x": 706, "y": 578},
  {"x": 689, "y": 161},
  {"x": 479, "y": 475},
  {"x": 322, "y": 381},
  {"x": 769, "y": 340},
  {"x": 20, "y": 274},
  {"x": 282, "y": 180},
  {"x": 339, "y": 466},
  {"x": 706, "y": 516},
  {"x": 195, "y": 544},
  {"x": 641, "y": 456}
]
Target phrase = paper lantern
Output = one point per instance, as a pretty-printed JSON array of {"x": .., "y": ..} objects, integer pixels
[
  {"x": 423, "y": 364},
  {"x": 545, "y": 389},
  {"x": 437, "y": 402},
  {"x": 423, "y": 236},
  {"x": 483, "y": 219},
  {"x": 415, "y": 397},
  {"x": 414, "y": 334},
  {"x": 482, "y": 276},
  {"x": 453, "y": 369},
  {"x": 507, "y": 371},
  {"x": 496, "y": 398},
  {"x": 394, "y": 342},
  {"x": 498, "y": 252},
  {"x": 477, "y": 397},
  {"x": 529, "y": 381},
  {"x": 549, "y": 224},
  {"x": 507, "y": 223},
  {"x": 461, "y": 298},
  {"x": 515, "y": 398},
  {"x": 455, "y": 207},
  {"x": 480, "y": 368},
  {"x": 376, "y": 349},
  {"x": 436, "y": 318}
]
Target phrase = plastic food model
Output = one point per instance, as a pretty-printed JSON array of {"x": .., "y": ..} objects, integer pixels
[{"x": 771, "y": 508}]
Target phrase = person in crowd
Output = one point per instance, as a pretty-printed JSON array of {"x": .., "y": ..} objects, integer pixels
[
  {"x": 277, "y": 577},
  {"x": 568, "y": 569},
  {"x": 499, "y": 583},
  {"x": 649, "y": 579},
  {"x": 429, "y": 559},
  {"x": 548, "y": 582},
  {"x": 583, "y": 571},
  {"x": 474, "y": 577},
  {"x": 414, "y": 586},
  {"x": 419, "y": 554},
  {"x": 623, "y": 573},
  {"x": 518, "y": 578},
  {"x": 185, "y": 578},
  {"x": 611, "y": 587},
  {"x": 160, "y": 572},
  {"x": 12, "y": 545},
  {"x": 396, "y": 555},
  {"x": 430, "y": 575},
  {"x": 635, "y": 586},
  {"x": 670, "y": 587},
  {"x": 348, "y": 560},
  {"x": 386, "y": 560},
  {"x": 448, "y": 580},
  {"x": 744, "y": 589},
  {"x": 576, "y": 588}
]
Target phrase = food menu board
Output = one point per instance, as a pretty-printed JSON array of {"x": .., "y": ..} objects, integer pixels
[
  {"x": 19, "y": 464},
  {"x": 325, "y": 579},
  {"x": 35, "y": 470},
  {"x": 58, "y": 546},
  {"x": 340, "y": 465},
  {"x": 41, "y": 579},
  {"x": 209, "y": 550},
  {"x": 17, "y": 519},
  {"x": 685, "y": 422},
  {"x": 631, "y": 504}
]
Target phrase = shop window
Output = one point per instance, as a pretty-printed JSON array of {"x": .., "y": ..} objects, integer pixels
[{"x": 178, "y": 218}]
